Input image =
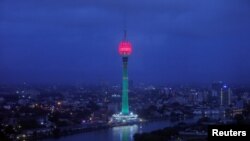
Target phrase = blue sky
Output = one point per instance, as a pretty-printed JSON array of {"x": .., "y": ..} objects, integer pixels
[{"x": 175, "y": 41}]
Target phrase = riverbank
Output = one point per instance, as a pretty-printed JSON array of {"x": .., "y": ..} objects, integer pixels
[
  {"x": 47, "y": 133},
  {"x": 57, "y": 133}
]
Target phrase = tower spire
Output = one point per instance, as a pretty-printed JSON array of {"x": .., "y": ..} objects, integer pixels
[
  {"x": 125, "y": 26},
  {"x": 125, "y": 34}
]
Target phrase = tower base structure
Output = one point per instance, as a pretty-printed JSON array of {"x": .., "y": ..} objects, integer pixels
[{"x": 122, "y": 118}]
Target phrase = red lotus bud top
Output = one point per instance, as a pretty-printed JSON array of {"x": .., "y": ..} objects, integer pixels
[{"x": 125, "y": 48}]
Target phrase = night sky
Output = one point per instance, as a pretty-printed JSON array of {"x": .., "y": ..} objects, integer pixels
[{"x": 76, "y": 41}]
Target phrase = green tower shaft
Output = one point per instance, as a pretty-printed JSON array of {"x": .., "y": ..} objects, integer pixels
[{"x": 125, "y": 107}]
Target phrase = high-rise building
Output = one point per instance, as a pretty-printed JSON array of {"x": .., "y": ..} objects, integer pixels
[
  {"x": 225, "y": 96},
  {"x": 215, "y": 95},
  {"x": 216, "y": 88}
]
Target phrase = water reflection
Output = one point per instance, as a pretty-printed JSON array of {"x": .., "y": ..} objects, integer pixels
[
  {"x": 122, "y": 133},
  {"x": 125, "y": 132}
]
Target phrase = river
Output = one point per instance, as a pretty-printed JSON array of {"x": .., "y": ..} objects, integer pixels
[{"x": 121, "y": 133}]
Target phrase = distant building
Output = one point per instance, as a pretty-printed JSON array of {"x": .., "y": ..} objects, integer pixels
[
  {"x": 221, "y": 94},
  {"x": 216, "y": 88},
  {"x": 225, "y": 96},
  {"x": 1, "y": 100},
  {"x": 113, "y": 107}
]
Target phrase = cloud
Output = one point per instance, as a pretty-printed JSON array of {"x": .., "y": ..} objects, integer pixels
[{"x": 169, "y": 36}]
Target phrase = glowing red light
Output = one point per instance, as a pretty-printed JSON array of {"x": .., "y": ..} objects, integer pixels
[{"x": 125, "y": 48}]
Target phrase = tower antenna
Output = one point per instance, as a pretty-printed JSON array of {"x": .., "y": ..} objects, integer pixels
[
  {"x": 125, "y": 25},
  {"x": 125, "y": 34}
]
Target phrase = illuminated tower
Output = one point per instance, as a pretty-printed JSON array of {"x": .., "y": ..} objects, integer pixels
[
  {"x": 125, "y": 116},
  {"x": 125, "y": 49}
]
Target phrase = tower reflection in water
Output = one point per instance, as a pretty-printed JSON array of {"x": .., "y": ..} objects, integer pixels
[{"x": 126, "y": 133}]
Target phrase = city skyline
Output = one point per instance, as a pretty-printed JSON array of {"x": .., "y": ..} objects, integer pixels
[
  {"x": 75, "y": 41},
  {"x": 133, "y": 70}
]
